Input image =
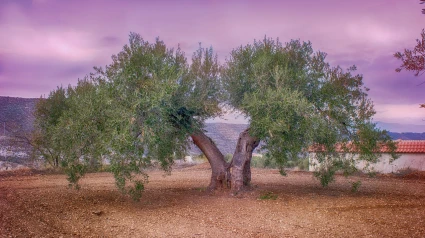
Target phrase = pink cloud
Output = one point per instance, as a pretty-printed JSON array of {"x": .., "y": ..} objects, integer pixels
[
  {"x": 46, "y": 43},
  {"x": 400, "y": 113}
]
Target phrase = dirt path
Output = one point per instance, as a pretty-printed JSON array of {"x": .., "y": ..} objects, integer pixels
[{"x": 178, "y": 206}]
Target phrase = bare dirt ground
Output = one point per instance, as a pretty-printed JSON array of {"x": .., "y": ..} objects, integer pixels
[{"x": 41, "y": 205}]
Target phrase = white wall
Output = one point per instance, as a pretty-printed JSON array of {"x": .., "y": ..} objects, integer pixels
[{"x": 405, "y": 161}]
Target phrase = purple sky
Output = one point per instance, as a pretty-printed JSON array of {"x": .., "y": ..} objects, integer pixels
[{"x": 46, "y": 43}]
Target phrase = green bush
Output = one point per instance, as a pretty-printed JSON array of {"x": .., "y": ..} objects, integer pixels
[
  {"x": 200, "y": 158},
  {"x": 268, "y": 196},
  {"x": 303, "y": 164},
  {"x": 355, "y": 186},
  {"x": 268, "y": 162},
  {"x": 257, "y": 162},
  {"x": 228, "y": 157},
  {"x": 263, "y": 162}
]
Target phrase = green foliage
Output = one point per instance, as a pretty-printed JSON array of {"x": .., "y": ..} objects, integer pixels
[
  {"x": 199, "y": 91},
  {"x": 268, "y": 196},
  {"x": 301, "y": 163},
  {"x": 228, "y": 158},
  {"x": 139, "y": 108},
  {"x": 413, "y": 60},
  {"x": 201, "y": 189},
  {"x": 148, "y": 100},
  {"x": 263, "y": 162},
  {"x": 257, "y": 162},
  {"x": 201, "y": 158},
  {"x": 136, "y": 191},
  {"x": 74, "y": 172},
  {"x": 267, "y": 162},
  {"x": 325, "y": 175},
  {"x": 47, "y": 115},
  {"x": 355, "y": 186},
  {"x": 295, "y": 100}
]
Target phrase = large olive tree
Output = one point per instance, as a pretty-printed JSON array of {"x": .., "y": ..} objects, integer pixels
[
  {"x": 295, "y": 100},
  {"x": 147, "y": 103},
  {"x": 143, "y": 106}
]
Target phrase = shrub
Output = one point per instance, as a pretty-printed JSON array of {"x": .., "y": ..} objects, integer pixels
[
  {"x": 268, "y": 196},
  {"x": 263, "y": 162},
  {"x": 355, "y": 186},
  {"x": 228, "y": 157},
  {"x": 200, "y": 158},
  {"x": 303, "y": 164}
]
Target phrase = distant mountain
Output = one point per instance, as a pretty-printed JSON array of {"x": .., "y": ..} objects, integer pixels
[
  {"x": 401, "y": 128},
  {"x": 16, "y": 114},
  {"x": 224, "y": 135},
  {"x": 19, "y": 111},
  {"x": 407, "y": 136}
]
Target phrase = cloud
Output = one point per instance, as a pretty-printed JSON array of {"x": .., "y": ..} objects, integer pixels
[
  {"x": 46, "y": 43},
  {"x": 36, "y": 78},
  {"x": 108, "y": 41},
  {"x": 400, "y": 113},
  {"x": 38, "y": 2},
  {"x": 388, "y": 86},
  {"x": 43, "y": 44},
  {"x": 2, "y": 64}
]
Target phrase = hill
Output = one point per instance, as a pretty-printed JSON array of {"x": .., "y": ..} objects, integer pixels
[
  {"x": 224, "y": 135},
  {"x": 17, "y": 113},
  {"x": 402, "y": 128},
  {"x": 407, "y": 136}
]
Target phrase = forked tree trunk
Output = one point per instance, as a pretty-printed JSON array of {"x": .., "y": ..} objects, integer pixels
[
  {"x": 241, "y": 162},
  {"x": 220, "y": 174}
]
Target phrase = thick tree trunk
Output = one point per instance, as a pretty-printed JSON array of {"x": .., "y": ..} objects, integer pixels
[
  {"x": 241, "y": 162},
  {"x": 220, "y": 174}
]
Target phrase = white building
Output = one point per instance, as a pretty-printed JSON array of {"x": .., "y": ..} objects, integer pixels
[{"x": 411, "y": 152}]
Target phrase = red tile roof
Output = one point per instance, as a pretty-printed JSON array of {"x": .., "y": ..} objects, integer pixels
[
  {"x": 403, "y": 146},
  {"x": 410, "y": 146}
]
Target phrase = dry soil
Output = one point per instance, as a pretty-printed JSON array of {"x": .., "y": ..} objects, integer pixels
[{"x": 177, "y": 205}]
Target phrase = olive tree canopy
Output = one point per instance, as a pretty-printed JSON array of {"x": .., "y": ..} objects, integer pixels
[
  {"x": 149, "y": 101},
  {"x": 295, "y": 100}
]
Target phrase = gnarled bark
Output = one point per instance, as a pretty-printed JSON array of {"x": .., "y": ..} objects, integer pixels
[
  {"x": 220, "y": 174},
  {"x": 241, "y": 162}
]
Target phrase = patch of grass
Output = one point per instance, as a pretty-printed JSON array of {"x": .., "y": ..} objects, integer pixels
[
  {"x": 228, "y": 157},
  {"x": 263, "y": 162},
  {"x": 404, "y": 172},
  {"x": 372, "y": 174},
  {"x": 105, "y": 168},
  {"x": 267, "y": 162},
  {"x": 268, "y": 196},
  {"x": 303, "y": 164},
  {"x": 355, "y": 186},
  {"x": 200, "y": 158},
  {"x": 201, "y": 189}
]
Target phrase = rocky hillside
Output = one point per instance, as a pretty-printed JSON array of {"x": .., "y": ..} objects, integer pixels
[
  {"x": 16, "y": 114},
  {"x": 224, "y": 135}
]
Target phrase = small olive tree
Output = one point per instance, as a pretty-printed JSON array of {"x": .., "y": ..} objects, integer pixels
[{"x": 47, "y": 115}]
